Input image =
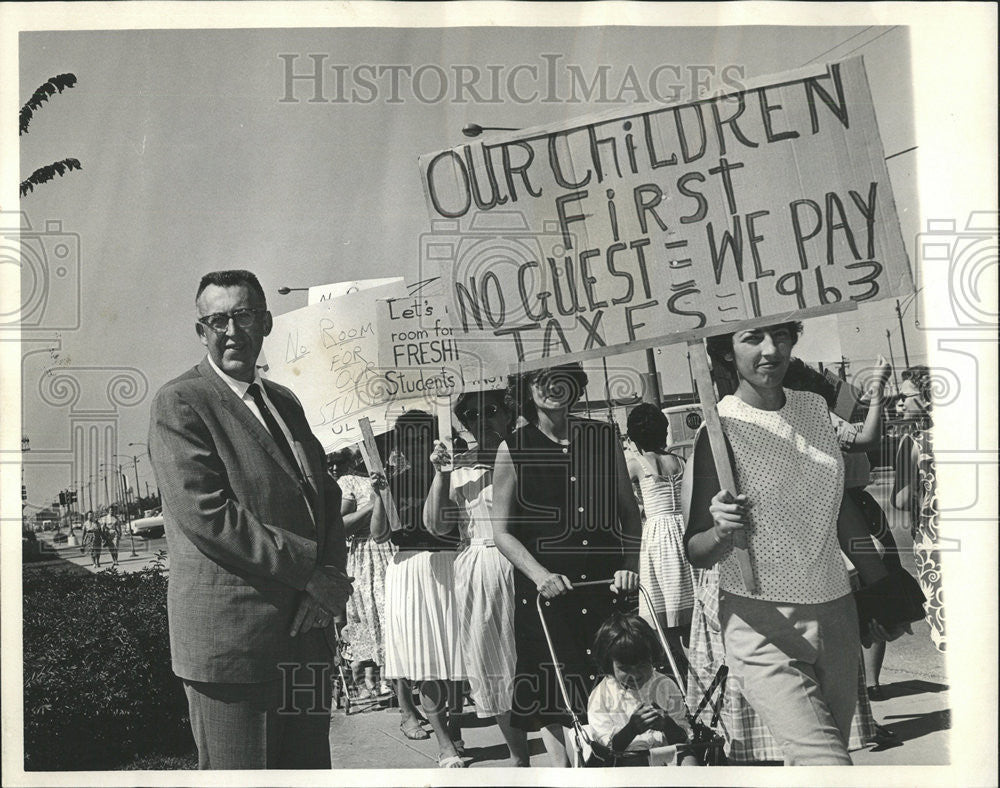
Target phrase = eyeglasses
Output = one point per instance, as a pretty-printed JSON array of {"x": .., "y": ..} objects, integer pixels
[
  {"x": 219, "y": 322},
  {"x": 473, "y": 414}
]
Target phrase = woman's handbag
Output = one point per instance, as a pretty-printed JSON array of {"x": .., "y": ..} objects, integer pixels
[{"x": 894, "y": 600}]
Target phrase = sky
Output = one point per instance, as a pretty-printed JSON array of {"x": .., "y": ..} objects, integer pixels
[{"x": 198, "y": 153}]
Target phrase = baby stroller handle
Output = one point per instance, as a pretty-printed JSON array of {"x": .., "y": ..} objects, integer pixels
[{"x": 681, "y": 680}]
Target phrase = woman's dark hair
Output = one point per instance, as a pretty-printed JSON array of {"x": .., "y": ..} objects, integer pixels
[
  {"x": 647, "y": 427},
  {"x": 721, "y": 345},
  {"x": 411, "y": 423},
  {"x": 801, "y": 377},
  {"x": 569, "y": 379},
  {"x": 341, "y": 460},
  {"x": 626, "y": 638},
  {"x": 920, "y": 376},
  {"x": 414, "y": 426}
]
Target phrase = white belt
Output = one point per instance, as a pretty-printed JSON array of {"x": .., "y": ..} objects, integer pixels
[{"x": 484, "y": 541}]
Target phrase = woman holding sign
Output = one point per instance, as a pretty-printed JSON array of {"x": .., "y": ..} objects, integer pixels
[
  {"x": 792, "y": 643},
  {"x": 563, "y": 513},
  {"x": 421, "y": 626},
  {"x": 484, "y": 579}
]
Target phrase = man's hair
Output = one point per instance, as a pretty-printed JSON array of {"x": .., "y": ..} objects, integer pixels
[
  {"x": 232, "y": 278},
  {"x": 722, "y": 344},
  {"x": 647, "y": 427}
]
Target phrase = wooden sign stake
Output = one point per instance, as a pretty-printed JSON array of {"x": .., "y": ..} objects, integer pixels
[
  {"x": 720, "y": 454},
  {"x": 373, "y": 461}
]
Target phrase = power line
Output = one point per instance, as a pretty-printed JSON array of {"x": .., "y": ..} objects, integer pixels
[
  {"x": 872, "y": 41},
  {"x": 835, "y": 46},
  {"x": 900, "y": 153}
]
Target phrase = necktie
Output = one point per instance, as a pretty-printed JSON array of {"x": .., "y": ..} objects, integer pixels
[{"x": 273, "y": 427}]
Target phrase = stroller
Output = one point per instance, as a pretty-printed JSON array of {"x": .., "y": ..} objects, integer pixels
[
  {"x": 705, "y": 744},
  {"x": 347, "y": 693}
]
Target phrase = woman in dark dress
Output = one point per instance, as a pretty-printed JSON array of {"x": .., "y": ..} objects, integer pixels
[
  {"x": 563, "y": 513},
  {"x": 421, "y": 614}
]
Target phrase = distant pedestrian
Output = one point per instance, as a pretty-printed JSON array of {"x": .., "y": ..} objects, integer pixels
[
  {"x": 93, "y": 539},
  {"x": 111, "y": 533}
]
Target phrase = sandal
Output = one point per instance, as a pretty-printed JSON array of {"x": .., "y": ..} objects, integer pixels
[
  {"x": 459, "y": 746},
  {"x": 413, "y": 731},
  {"x": 451, "y": 762}
]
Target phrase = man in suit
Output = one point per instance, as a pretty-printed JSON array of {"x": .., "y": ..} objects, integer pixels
[{"x": 256, "y": 543}]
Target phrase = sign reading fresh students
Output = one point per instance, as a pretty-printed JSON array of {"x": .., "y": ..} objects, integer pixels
[
  {"x": 419, "y": 353},
  {"x": 635, "y": 229}
]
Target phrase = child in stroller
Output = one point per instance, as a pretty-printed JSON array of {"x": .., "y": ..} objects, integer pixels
[{"x": 635, "y": 708}]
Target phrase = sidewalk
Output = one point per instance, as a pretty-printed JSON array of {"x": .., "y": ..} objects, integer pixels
[
  {"x": 67, "y": 557},
  {"x": 916, "y": 708}
]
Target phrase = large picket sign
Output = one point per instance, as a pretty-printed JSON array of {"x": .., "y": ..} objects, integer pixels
[
  {"x": 327, "y": 354},
  {"x": 628, "y": 230}
]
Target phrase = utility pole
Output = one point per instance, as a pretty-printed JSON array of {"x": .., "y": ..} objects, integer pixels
[
  {"x": 652, "y": 387},
  {"x": 902, "y": 334},
  {"x": 607, "y": 397},
  {"x": 128, "y": 515},
  {"x": 892, "y": 360},
  {"x": 135, "y": 467}
]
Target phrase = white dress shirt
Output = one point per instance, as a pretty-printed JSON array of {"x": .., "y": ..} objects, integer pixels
[{"x": 240, "y": 389}]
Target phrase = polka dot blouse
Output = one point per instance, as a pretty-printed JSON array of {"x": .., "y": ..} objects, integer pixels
[{"x": 789, "y": 465}]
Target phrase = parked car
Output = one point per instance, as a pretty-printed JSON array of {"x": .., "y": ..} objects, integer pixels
[{"x": 148, "y": 527}]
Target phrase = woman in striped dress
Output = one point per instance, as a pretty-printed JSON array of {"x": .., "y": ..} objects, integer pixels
[
  {"x": 484, "y": 578},
  {"x": 663, "y": 568}
]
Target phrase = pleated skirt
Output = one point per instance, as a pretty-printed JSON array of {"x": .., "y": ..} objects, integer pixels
[
  {"x": 484, "y": 585},
  {"x": 421, "y": 617}
]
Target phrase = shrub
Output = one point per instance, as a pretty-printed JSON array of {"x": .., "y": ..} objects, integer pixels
[{"x": 98, "y": 688}]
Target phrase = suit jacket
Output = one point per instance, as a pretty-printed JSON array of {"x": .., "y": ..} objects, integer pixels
[{"x": 242, "y": 538}]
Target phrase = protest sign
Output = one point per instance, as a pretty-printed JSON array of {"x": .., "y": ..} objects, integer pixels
[
  {"x": 320, "y": 293},
  {"x": 328, "y": 355},
  {"x": 419, "y": 354},
  {"x": 630, "y": 230}
]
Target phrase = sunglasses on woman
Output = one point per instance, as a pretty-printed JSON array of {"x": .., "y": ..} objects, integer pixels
[{"x": 474, "y": 414}]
